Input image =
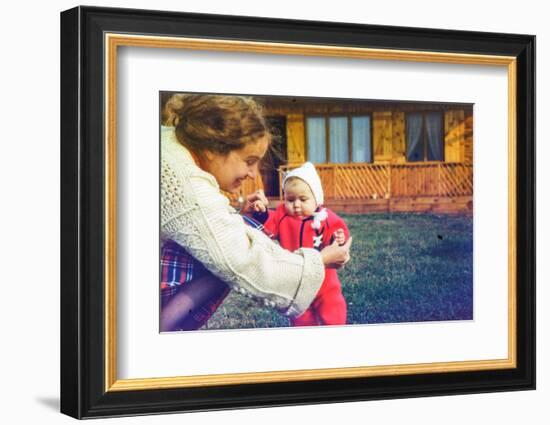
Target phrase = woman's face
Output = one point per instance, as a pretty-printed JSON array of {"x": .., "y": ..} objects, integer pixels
[{"x": 232, "y": 169}]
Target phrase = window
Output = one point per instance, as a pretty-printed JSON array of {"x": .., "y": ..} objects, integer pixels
[
  {"x": 349, "y": 139},
  {"x": 316, "y": 140},
  {"x": 424, "y": 136},
  {"x": 361, "y": 140},
  {"x": 339, "y": 139}
]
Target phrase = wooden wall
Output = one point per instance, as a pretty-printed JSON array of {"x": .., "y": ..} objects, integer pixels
[
  {"x": 382, "y": 136},
  {"x": 295, "y": 136},
  {"x": 388, "y": 131},
  {"x": 454, "y": 136},
  {"x": 388, "y": 137},
  {"x": 469, "y": 138},
  {"x": 399, "y": 146},
  {"x": 459, "y": 142}
]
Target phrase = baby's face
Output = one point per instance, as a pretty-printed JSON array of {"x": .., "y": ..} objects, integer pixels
[{"x": 299, "y": 199}]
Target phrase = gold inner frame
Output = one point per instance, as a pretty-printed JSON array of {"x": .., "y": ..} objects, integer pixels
[{"x": 113, "y": 41}]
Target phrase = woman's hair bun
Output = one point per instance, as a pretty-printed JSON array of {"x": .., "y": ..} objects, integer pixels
[
  {"x": 173, "y": 110},
  {"x": 217, "y": 123}
]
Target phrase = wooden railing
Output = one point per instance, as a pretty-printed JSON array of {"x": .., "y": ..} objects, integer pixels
[{"x": 375, "y": 181}]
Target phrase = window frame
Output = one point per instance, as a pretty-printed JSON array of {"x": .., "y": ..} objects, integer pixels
[
  {"x": 425, "y": 136},
  {"x": 349, "y": 117}
]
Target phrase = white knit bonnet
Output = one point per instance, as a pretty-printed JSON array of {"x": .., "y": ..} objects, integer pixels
[{"x": 308, "y": 173}]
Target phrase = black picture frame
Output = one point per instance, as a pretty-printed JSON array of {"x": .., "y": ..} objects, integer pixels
[{"x": 83, "y": 203}]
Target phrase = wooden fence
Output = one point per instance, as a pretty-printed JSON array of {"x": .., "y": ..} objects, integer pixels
[{"x": 385, "y": 181}]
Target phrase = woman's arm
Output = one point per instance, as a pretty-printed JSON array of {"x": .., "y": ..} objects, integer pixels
[
  {"x": 246, "y": 259},
  {"x": 197, "y": 216}
]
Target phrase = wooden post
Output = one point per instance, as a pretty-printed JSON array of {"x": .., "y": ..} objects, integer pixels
[
  {"x": 439, "y": 179},
  {"x": 389, "y": 181},
  {"x": 334, "y": 181}
]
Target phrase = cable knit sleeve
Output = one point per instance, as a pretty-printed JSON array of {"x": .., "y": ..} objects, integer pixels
[{"x": 197, "y": 216}]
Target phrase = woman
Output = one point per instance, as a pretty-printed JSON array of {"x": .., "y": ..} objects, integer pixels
[{"x": 216, "y": 142}]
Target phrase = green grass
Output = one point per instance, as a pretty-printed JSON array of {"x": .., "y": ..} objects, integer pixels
[{"x": 404, "y": 268}]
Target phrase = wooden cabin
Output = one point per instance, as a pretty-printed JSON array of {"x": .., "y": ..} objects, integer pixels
[{"x": 374, "y": 156}]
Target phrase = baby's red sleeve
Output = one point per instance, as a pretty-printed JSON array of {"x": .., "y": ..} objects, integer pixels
[{"x": 271, "y": 224}]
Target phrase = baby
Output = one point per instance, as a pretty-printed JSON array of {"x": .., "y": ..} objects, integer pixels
[{"x": 302, "y": 221}]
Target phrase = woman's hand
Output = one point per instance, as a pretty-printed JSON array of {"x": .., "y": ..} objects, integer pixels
[
  {"x": 256, "y": 202},
  {"x": 335, "y": 256}
]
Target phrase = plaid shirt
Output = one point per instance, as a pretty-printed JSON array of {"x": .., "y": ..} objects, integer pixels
[{"x": 178, "y": 267}]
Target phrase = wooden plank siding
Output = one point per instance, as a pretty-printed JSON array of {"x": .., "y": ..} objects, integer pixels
[
  {"x": 399, "y": 142},
  {"x": 382, "y": 135},
  {"x": 469, "y": 138},
  {"x": 388, "y": 126},
  {"x": 389, "y": 137},
  {"x": 435, "y": 205},
  {"x": 295, "y": 133},
  {"x": 454, "y": 136}
]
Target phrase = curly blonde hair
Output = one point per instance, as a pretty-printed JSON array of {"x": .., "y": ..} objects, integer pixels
[{"x": 216, "y": 123}]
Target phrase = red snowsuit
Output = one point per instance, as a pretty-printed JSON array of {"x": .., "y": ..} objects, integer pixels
[{"x": 329, "y": 306}]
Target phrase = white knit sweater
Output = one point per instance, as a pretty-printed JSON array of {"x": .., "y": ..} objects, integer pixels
[{"x": 197, "y": 216}]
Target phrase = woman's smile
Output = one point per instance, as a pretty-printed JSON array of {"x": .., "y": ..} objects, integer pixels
[
  {"x": 238, "y": 183},
  {"x": 232, "y": 169}
]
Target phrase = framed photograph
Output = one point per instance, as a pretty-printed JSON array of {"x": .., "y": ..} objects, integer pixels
[{"x": 261, "y": 212}]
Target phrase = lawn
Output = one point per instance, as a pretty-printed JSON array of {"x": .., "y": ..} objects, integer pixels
[{"x": 404, "y": 268}]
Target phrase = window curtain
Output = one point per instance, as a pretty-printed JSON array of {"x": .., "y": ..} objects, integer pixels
[
  {"x": 316, "y": 140},
  {"x": 360, "y": 139},
  {"x": 338, "y": 136},
  {"x": 415, "y": 145},
  {"x": 434, "y": 130}
]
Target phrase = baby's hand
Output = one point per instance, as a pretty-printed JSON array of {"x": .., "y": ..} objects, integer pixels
[
  {"x": 340, "y": 237},
  {"x": 256, "y": 202}
]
